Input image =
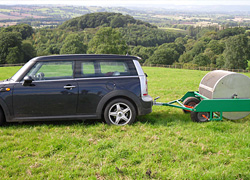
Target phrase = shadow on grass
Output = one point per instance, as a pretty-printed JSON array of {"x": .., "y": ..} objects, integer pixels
[
  {"x": 240, "y": 121},
  {"x": 165, "y": 118},
  {"x": 169, "y": 117},
  {"x": 158, "y": 118},
  {"x": 89, "y": 122}
]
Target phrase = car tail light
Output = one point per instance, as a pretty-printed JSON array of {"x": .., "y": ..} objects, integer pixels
[{"x": 146, "y": 88}]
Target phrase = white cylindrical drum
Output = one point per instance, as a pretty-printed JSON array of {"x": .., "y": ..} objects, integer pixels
[{"x": 221, "y": 84}]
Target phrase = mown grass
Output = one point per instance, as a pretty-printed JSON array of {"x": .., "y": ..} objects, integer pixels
[
  {"x": 7, "y": 72},
  {"x": 165, "y": 144}
]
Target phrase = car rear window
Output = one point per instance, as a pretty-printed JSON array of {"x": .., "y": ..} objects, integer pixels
[
  {"x": 104, "y": 68},
  {"x": 114, "y": 68}
]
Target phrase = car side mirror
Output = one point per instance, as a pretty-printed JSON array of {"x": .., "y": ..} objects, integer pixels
[{"x": 27, "y": 80}]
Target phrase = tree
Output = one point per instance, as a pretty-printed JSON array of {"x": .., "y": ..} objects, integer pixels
[
  {"x": 73, "y": 44},
  {"x": 191, "y": 31},
  {"x": 145, "y": 36},
  {"x": 14, "y": 55},
  {"x": 146, "y": 52},
  {"x": 186, "y": 57},
  {"x": 212, "y": 35},
  {"x": 10, "y": 42},
  {"x": 220, "y": 61},
  {"x": 236, "y": 52},
  {"x": 231, "y": 32},
  {"x": 104, "y": 19},
  {"x": 180, "y": 40},
  {"x": 210, "y": 54},
  {"x": 107, "y": 41},
  {"x": 28, "y": 50},
  {"x": 198, "y": 48},
  {"x": 25, "y": 29},
  {"x": 180, "y": 48},
  {"x": 118, "y": 21},
  {"x": 202, "y": 60},
  {"x": 189, "y": 45},
  {"x": 216, "y": 46},
  {"x": 49, "y": 41},
  {"x": 168, "y": 53},
  {"x": 165, "y": 56},
  {"x": 143, "y": 52}
]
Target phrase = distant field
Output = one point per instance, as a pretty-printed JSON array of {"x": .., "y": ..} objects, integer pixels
[
  {"x": 5, "y": 10},
  {"x": 4, "y": 16},
  {"x": 180, "y": 17},
  {"x": 165, "y": 144},
  {"x": 173, "y": 29},
  {"x": 8, "y": 24}
]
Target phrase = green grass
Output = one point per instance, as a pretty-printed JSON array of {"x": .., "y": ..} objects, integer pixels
[
  {"x": 166, "y": 142},
  {"x": 7, "y": 72}
]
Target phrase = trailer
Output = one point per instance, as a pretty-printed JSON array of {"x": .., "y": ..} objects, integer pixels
[{"x": 221, "y": 94}]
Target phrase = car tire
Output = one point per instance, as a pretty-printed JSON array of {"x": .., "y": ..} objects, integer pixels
[
  {"x": 190, "y": 102},
  {"x": 2, "y": 118},
  {"x": 119, "y": 112}
]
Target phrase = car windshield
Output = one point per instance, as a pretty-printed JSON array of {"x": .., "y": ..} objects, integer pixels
[{"x": 20, "y": 72}]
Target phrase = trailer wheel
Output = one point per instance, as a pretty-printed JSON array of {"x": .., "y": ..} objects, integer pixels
[
  {"x": 200, "y": 116},
  {"x": 190, "y": 102}
]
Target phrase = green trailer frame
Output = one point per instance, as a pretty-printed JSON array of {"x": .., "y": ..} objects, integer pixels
[{"x": 215, "y": 107}]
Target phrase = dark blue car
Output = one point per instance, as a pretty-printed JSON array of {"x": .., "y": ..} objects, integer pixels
[{"x": 60, "y": 87}]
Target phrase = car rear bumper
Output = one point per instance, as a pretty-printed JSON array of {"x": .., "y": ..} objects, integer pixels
[
  {"x": 146, "y": 106},
  {"x": 144, "y": 111}
]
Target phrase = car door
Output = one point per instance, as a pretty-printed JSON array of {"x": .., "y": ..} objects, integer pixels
[
  {"x": 98, "y": 78},
  {"x": 53, "y": 91}
]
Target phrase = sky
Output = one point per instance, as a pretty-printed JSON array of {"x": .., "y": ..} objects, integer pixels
[{"x": 127, "y": 2}]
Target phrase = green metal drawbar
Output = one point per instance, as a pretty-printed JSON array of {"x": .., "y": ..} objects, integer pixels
[{"x": 215, "y": 107}]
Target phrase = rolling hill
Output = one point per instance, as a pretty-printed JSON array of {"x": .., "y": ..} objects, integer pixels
[{"x": 105, "y": 19}]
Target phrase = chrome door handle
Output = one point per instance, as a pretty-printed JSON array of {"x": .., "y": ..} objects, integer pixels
[{"x": 68, "y": 87}]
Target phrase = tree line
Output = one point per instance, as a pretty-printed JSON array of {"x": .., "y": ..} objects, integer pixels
[
  {"x": 228, "y": 48},
  {"x": 114, "y": 33}
]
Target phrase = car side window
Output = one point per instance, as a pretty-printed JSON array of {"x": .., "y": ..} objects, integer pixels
[
  {"x": 51, "y": 70},
  {"x": 104, "y": 68},
  {"x": 114, "y": 68}
]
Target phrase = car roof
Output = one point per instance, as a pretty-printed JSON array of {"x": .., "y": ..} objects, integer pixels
[{"x": 85, "y": 57}]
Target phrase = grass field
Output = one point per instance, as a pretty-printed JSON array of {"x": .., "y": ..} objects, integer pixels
[
  {"x": 165, "y": 144},
  {"x": 174, "y": 30},
  {"x": 7, "y": 72}
]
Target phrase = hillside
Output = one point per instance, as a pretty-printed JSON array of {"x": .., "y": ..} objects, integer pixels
[
  {"x": 105, "y": 19},
  {"x": 172, "y": 16},
  {"x": 103, "y": 32}
]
